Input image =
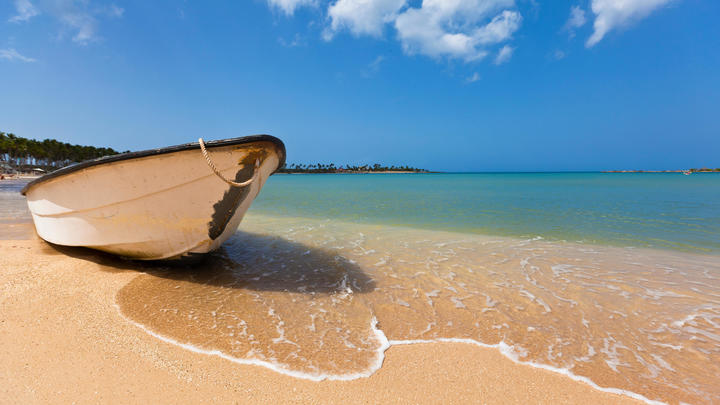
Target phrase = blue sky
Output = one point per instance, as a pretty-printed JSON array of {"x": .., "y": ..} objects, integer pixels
[{"x": 457, "y": 85}]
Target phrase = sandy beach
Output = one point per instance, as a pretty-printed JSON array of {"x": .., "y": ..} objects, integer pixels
[
  {"x": 360, "y": 202},
  {"x": 64, "y": 340}
]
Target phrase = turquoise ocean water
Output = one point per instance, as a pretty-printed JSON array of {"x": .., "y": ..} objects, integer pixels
[{"x": 666, "y": 211}]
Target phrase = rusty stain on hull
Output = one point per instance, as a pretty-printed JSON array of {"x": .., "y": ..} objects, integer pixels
[{"x": 225, "y": 209}]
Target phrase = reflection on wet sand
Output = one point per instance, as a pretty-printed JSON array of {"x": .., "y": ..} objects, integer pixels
[
  {"x": 273, "y": 302},
  {"x": 302, "y": 297}
]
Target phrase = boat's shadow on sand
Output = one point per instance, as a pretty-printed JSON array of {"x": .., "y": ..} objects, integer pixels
[{"x": 247, "y": 261}]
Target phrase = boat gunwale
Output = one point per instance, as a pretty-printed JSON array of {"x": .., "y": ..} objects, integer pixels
[{"x": 160, "y": 151}]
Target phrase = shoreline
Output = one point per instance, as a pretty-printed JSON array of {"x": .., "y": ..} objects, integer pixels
[
  {"x": 45, "y": 290},
  {"x": 661, "y": 171},
  {"x": 501, "y": 348},
  {"x": 364, "y": 172},
  {"x": 586, "y": 243},
  {"x": 14, "y": 176}
]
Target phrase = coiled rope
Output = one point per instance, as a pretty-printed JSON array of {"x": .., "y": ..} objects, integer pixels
[{"x": 220, "y": 175}]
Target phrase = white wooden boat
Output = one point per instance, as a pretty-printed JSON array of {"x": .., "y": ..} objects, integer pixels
[{"x": 157, "y": 204}]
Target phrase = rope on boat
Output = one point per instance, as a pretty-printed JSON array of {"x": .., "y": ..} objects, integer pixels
[{"x": 220, "y": 175}]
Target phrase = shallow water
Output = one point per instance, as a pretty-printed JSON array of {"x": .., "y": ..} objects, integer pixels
[
  {"x": 14, "y": 215},
  {"x": 302, "y": 296},
  {"x": 13, "y": 207},
  {"x": 658, "y": 210}
]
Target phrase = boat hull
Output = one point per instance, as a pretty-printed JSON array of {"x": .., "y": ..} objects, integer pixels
[{"x": 159, "y": 206}]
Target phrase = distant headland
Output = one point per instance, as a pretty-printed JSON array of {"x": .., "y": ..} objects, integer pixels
[{"x": 686, "y": 171}]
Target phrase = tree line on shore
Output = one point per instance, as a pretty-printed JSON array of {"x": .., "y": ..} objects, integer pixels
[
  {"x": 17, "y": 151},
  {"x": 705, "y": 169},
  {"x": 23, "y": 154},
  {"x": 692, "y": 170},
  {"x": 331, "y": 168}
]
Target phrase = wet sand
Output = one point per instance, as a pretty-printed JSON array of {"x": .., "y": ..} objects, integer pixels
[{"x": 64, "y": 340}]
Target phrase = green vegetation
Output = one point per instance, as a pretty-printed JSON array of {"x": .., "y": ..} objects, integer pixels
[
  {"x": 331, "y": 168},
  {"x": 693, "y": 170},
  {"x": 705, "y": 169},
  {"x": 21, "y": 153}
]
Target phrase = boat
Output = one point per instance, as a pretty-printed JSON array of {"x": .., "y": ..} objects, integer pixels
[{"x": 169, "y": 203}]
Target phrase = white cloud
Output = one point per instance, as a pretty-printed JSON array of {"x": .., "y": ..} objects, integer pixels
[
  {"x": 436, "y": 28},
  {"x": 297, "y": 40},
  {"x": 289, "y": 6},
  {"x": 13, "y": 55},
  {"x": 457, "y": 28},
  {"x": 366, "y": 17},
  {"x": 610, "y": 14},
  {"x": 462, "y": 29},
  {"x": 25, "y": 11},
  {"x": 83, "y": 24},
  {"x": 375, "y": 64},
  {"x": 373, "y": 67},
  {"x": 504, "y": 54},
  {"x": 499, "y": 29},
  {"x": 78, "y": 18},
  {"x": 115, "y": 11},
  {"x": 577, "y": 17},
  {"x": 472, "y": 79},
  {"x": 576, "y": 20}
]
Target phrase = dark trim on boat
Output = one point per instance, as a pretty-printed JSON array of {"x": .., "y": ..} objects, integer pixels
[{"x": 152, "y": 152}]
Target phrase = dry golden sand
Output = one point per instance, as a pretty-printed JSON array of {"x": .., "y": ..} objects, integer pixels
[{"x": 63, "y": 340}]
